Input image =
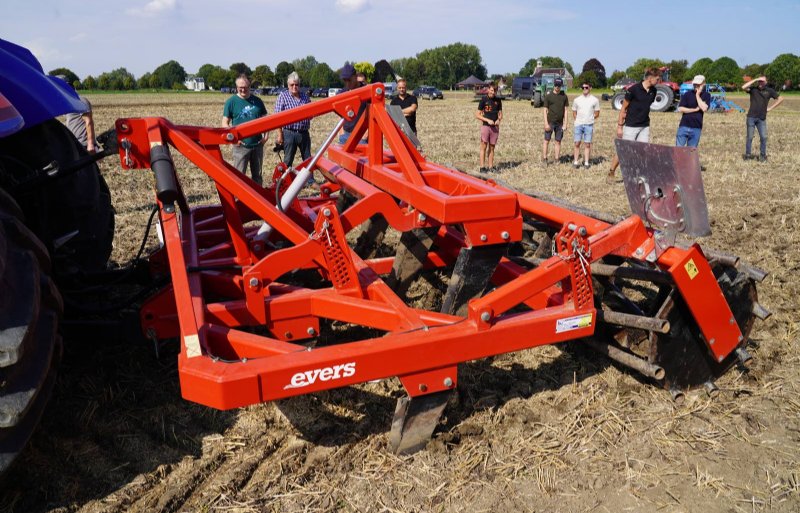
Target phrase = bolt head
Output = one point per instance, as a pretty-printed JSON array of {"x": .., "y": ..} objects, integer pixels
[
  {"x": 485, "y": 316},
  {"x": 229, "y": 136},
  {"x": 505, "y": 235},
  {"x": 423, "y": 387},
  {"x": 422, "y": 218},
  {"x": 484, "y": 238},
  {"x": 712, "y": 341},
  {"x": 253, "y": 282},
  {"x": 350, "y": 113},
  {"x": 639, "y": 252},
  {"x": 326, "y": 212},
  {"x": 379, "y": 90},
  {"x": 311, "y": 331},
  {"x": 448, "y": 382}
]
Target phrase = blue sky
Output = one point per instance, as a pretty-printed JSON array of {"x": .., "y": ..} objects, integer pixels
[{"x": 92, "y": 36}]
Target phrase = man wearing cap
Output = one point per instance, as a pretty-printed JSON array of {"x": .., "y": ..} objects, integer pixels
[
  {"x": 692, "y": 105},
  {"x": 555, "y": 119},
  {"x": 82, "y": 124},
  {"x": 490, "y": 113},
  {"x": 757, "y": 115},
  {"x": 585, "y": 109},
  {"x": 350, "y": 79},
  {"x": 241, "y": 108},
  {"x": 633, "y": 123}
]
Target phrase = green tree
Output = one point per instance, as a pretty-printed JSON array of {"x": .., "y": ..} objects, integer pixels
[
  {"x": 725, "y": 71},
  {"x": 615, "y": 77},
  {"x": 169, "y": 73},
  {"x": 596, "y": 67},
  {"x": 103, "y": 81},
  {"x": 322, "y": 75},
  {"x": 590, "y": 77},
  {"x": 637, "y": 69},
  {"x": 409, "y": 68},
  {"x": 205, "y": 71},
  {"x": 89, "y": 82},
  {"x": 71, "y": 77},
  {"x": 241, "y": 68},
  {"x": 547, "y": 62},
  {"x": 263, "y": 76},
  {"x": 144, "y": 81},
  {"x": 677, "y": 70},
  {"x": 700, "y": 67},
  {"x": 282, "y": 71},
  {"x": 220, "y": 77},
  {"x": 129, "y": 83},
  {"x": 367, "y": 68},
  {"x": 154, "y": 82},
  {"x": 447, "y": 65},
  {"x": 754, "y": 70},
  {"x": 304, "y": 66},
  {"x": 785, "y": 67}
]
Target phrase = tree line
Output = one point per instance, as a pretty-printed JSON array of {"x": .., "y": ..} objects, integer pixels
[{"x": 442, "y": 67}]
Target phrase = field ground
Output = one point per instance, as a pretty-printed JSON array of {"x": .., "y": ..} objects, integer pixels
[{"x": 546, "y": 429}]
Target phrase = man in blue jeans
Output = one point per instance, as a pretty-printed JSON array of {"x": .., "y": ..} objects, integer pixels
[
  {"x": 693, "y": 105},
  {"x": 757, "y": 115}
]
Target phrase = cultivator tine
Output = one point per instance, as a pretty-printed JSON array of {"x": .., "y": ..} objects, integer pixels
[
  {"x": 371, "y": 238},
  {"x": 414, "y": 420},
  {"x": 411, "y": 253},
  {"x": 474, "y": 267}
]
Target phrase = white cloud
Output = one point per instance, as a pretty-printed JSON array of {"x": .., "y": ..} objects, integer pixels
[
  {"x": 152, "y": 8},
  {"x": 350, "y": 6},
  {"x": 47, "y": 52}
]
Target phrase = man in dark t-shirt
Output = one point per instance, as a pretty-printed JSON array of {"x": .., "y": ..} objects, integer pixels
[
  {"x": 490, "y": 112},
  {"x": 555, "y": 119},
  {"x": 407, "y": 102},
  {"x": 692, "y": 105},
  {"x": 633, "y": 123},
  {"x": 757, "y": 114}
]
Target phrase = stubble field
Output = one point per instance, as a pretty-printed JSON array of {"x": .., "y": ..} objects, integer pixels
[{"x": 539, "y": 430}]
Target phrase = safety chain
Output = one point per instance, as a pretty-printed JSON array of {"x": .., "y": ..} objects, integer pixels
[
  {"x": 577, "y": 252},
  {"x": 323, "y": 230}
]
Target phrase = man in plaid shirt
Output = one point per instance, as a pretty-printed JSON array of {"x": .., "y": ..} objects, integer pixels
[{"x": 296, "y": 134}]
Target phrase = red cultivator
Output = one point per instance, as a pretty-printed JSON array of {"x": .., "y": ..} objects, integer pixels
[{"x": 255, "y": 278}]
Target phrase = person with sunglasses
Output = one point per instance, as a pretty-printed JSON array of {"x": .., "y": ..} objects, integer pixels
[
  {"x": 555, "y": 119},
  {"x": 585, "y": 109},
  {"x": 294, "y": 135}
]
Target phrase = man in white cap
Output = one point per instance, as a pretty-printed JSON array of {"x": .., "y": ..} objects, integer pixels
[
  {"x": 693, "y": 105},
  {"x": 757, "y": 115}
]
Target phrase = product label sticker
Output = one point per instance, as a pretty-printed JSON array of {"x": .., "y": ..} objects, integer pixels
[
  {"x": 691, "y": 269},
  {"x": 573, "y": 323}
]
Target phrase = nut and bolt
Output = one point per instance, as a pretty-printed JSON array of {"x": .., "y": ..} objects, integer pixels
[
  {"x": 448, "y": 382},
  {"x": 350, "y": 113},
  {"x": 423, "y": 387},
  {"x": 505, "y": 235},
  {"x": 639, "y": 252},
  {"x": 484, "y": 238},
  {"x": 311, "y": 331},
  {"x": 229, "y": 136},
  {"x": 422, "y": 218},
  {"x": 485, "y": 316},
  {"x": 326, "y": 212},
  {"x": 582, "y": 231},
  {"x": 379, "y": 91},
  {"x": 712, "y": 341},
  {"x": 253, "y": 282}
]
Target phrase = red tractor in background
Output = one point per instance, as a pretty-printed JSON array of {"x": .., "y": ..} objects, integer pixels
[{"x": 667, "y": 94}]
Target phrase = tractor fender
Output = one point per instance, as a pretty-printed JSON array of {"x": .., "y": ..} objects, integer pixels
[{"x": 35, "y": 96}]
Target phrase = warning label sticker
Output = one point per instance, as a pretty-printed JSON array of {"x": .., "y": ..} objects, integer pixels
[
  {"x": 573, "y": 323},
  {"x": 691, "y": 269}
]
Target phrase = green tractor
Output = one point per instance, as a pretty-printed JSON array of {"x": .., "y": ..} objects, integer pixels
[{"x": 543, "y": 86}]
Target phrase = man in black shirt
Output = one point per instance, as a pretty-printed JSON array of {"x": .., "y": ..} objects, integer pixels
[
  {"x": 407, "y": 102},
  {"x": 757, "y": 115},
  {"x": 692, "y": 105},
  {"x": 633, "y": 123},
  {"x": 555, "y": 119},
  {"x": 490, "y": 111}
]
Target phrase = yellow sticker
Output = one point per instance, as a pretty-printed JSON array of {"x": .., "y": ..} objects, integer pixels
[{"x": 691, "y": 269}]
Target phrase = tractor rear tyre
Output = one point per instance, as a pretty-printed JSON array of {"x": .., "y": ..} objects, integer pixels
[
  {"x": 664, "y": 98},
  {"x": 537, "y": 99},
  {"x": 616, "y": 101},
  {"x": 30, "y": 347}
]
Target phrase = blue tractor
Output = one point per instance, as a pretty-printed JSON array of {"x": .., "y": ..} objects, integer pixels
[{"x": 56, "y": 226}]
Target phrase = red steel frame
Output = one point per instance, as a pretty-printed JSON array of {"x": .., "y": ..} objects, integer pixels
[{"x": 224, "y": 280}]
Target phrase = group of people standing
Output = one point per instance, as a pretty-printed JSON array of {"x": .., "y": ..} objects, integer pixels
[{"x": 633, "y": 122}]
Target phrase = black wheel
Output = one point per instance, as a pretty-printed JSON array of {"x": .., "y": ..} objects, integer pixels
[
  {"x": 664, "y": 99},
  {"x": 516, "y": 97},
  {"x": 30, "y": 347},
  {"x": 72, "y": 214},
  {"x": 616, "y": 101},
  {"x": 537, "y": 99}
]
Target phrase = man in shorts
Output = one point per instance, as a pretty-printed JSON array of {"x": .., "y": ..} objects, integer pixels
[
  {"x": 555, "y": 119},
  {"x": 585, "y": 109},
  {"x": 633, "y": 123},
  {"x": 490, "y": 112}
]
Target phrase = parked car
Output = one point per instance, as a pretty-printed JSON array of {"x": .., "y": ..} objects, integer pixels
[
  {"x": 320, "y": 92},
  {"x": 333, "y": 91},
  {"x": 429, "y": 93}
]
